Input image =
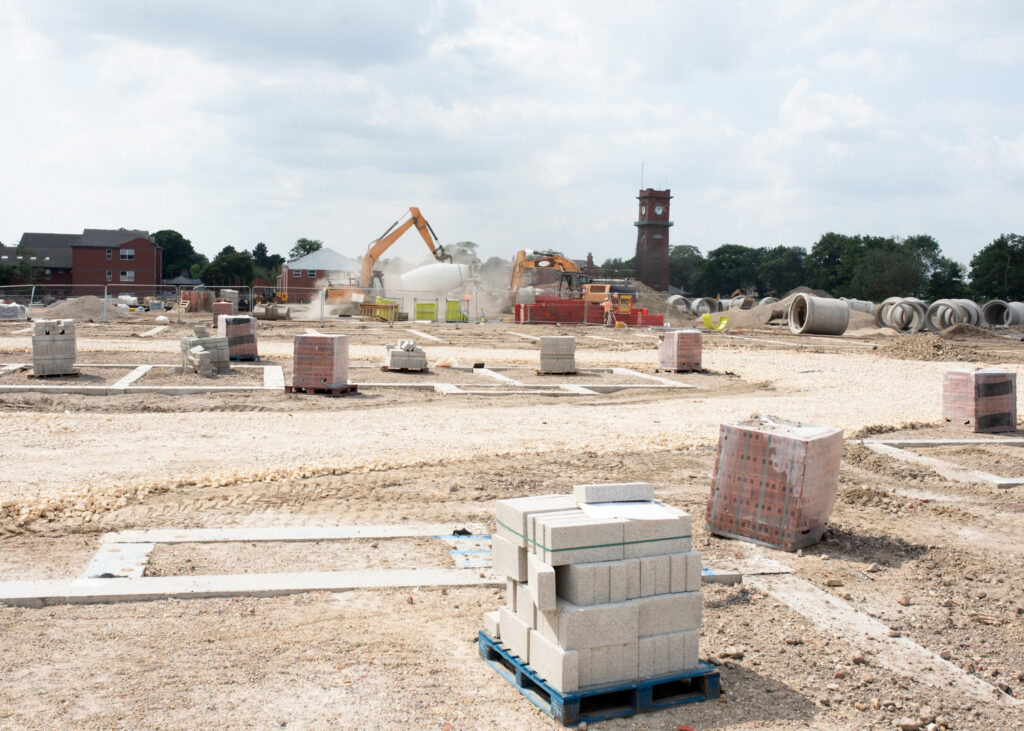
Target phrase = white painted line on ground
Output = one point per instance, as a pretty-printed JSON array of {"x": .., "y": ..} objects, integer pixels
[
  {"x": 154, "y": 331},
  {"x": 649, "y": 377},
  {"x": 897, "y": 654},
  {"x": 947, "y": 469},
  {"x": 148, "y": 588},
  {"x": 421, "y": 334},
  {"x": 497, "y": 376},
  {"x": 522, "y": 335},
  {"x": 273, "y": 378},
  {"x": 121, "y": 560},
  {"x": 132, "y": 377}
]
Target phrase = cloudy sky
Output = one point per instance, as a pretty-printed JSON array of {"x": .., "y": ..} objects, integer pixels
[{"x": 513, "y": 124}]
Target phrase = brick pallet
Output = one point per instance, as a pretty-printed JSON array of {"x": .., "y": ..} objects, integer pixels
[
  {"x": 774, "y": 483},
  {"x": 222, "y": 307},
  {"x": 241, "y": 335},
  {"x": 320, "y": 364},
  {"x": 310, "y": 390},
  {"x": 595, "y": 601},
  {"x": 980, "y": 401},
  {"x": 680, "y": 351}
]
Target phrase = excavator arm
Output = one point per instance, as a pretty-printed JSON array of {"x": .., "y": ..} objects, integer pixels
[
  {"x": 394, "y": 232},
  {"x": 571, "y": 272}
]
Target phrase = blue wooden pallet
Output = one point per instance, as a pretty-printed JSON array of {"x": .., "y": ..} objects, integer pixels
[
  {"x": 604, "y": 701},
  {"x": 244, "y": 357}
]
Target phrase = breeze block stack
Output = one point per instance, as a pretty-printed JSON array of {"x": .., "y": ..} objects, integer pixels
[
  {"x": 775, "y": 482},
  {"x": 320, "y": 361},
  {"x": 54, "y": 347},
  {"x": 980, "y": 401},
  {"x": 241, "y": 334},
  {"x": 406, "y": 356},
  {"x": 596, "y": 599},
  {"x": 680, "y": 350},
  {"x": 219, "y": 360},
  {"x": 557, "y": 354}
]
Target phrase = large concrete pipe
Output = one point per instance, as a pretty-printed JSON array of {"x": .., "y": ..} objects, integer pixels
[
  {"x": 809, "y": 315},
  {"x": 678, "y": 302},
  {"x": 882, "y": 311},
  {"x": 859, "y": 305},
  {"x": 703, "y": 306},
  {"x": 943, "y": 314},
  {"x": 974, "y": 316},
  {"x": 1014, "y": 314},
  {"x": 993, "y": 313},
  {"x": 767, "y": 301},
  {"x": 907, "y": 315}
]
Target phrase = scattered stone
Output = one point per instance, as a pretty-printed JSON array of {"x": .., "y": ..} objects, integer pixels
[
  {"x": 946, "y": 655},
  {"x": 908, "y": 724},
  {"x": 840, "y": 673},
  {"x": 903, "y": 599},
  {"x": 1003, "y": 686},
  {"x": 825, "y": 701},
  {"x": 947, "y": 603},
  {"x": 736, "y": 653},
  {"x": 833, "y": 582},
  {"x": 714, "y": 660},
  {"x": 794, "y": 640},
  {"x": 860, "y": 706},
  {"x": 894, "y": 633},
  {"x": 858, "y": 658}
]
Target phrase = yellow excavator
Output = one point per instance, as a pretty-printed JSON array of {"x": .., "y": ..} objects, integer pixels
[
  {"x": 371, "y": 279},
  {"x": 571, "y": 276}
]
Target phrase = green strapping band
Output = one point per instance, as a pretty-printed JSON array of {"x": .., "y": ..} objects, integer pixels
[{"x": 513, "y": 531}]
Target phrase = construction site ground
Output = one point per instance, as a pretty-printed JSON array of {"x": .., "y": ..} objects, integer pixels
[{"x": 939, "y": 562}]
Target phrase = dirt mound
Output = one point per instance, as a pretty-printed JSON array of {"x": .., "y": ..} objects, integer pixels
[
  {"x": 929, "y": 346},
  {"x": 82, "y": 309},
  {"x": 806, "y": 290},
  {"x": 963, "y": 331}
]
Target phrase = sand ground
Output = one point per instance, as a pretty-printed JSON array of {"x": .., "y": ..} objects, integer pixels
[{"x": 939, "y": 562}]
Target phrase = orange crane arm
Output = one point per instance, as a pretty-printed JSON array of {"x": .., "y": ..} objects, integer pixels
[{"x": 394, "y": 232}]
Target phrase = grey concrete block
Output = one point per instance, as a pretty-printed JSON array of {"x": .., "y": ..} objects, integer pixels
[
  {"x": 633, "y": 579},
  {"x": 492, "y": 624},
  {"x": 655, "y": 575},
  {"x": 686, "y": 572},
  {"x": 575, "y": 583},
  {"x": 560, "y": 668},
  {"x": 569, "y": 540},
  {"x": 535, "y": 535},
  {"x": 541, "y": 583},
  {"x": 653, "y": 537},
  {"x": 579, "y": 628},
  {"x": 613, "y": 492},
  {"x": 609, "y": 664},
  {"x": 667, "y": 613},
  {"x": 515, "y": 634},
  {"x": 508, "y": 559},
  {"x": 668, "y": 653},
  {"x": 511, "y": 589},
  {"x": 526, "y": 610},
  {"x": 557, "y": 345},
  {"x": 602, "y": 582},
  {"x": 511, "y": 514}
]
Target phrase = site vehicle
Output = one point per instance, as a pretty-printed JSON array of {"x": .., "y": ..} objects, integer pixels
[{"x": 571, "y": 279}]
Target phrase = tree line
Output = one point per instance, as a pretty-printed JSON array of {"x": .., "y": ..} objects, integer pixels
[{"x": 862, "y": 267}]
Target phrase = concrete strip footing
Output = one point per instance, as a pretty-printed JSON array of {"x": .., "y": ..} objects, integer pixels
[
  {"x": 150, "y": 588},
  {"x": 154, "y": 331},
  {"x": 119, "y": 560},
  {"x": 132, "y": 377},
  {"x": 496, "y": 376},
  {"x": 425, "y": 336},
  {"x": 273, "y": 378},
  {"x": 293, "y": 533},
  {"x": 947, "y": 469},
  {"x": 523, "y": 335}
]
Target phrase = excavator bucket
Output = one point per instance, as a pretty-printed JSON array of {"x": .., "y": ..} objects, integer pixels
[{"x": 717, "y": 327}]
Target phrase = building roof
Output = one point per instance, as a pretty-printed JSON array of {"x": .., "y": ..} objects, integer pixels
[
  {"x": 183, "y": 280},
  {"x": 326, "y": 260},
  {"x": 55, "y": 246},
  {"x": 103, "y": 238}
]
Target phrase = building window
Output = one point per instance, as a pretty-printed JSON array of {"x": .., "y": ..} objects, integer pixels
[
  {"x": 48, "y": 273},
  {"x": 109, "y": 255},
  {"x": 110, "y": 276},
  {"x": 127, "y": 276},
  {"x": 296, "y": 273},
  {"x": 311, "y": 274},
  {"x": 127, "y": 254}
]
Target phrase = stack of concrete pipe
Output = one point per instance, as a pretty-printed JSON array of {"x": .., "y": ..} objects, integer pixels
[
  {"x": 704, "y": 306},
  {"x": 909, "y": 314}
]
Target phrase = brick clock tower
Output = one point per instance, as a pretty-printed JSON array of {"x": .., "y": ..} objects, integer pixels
[{"x": 652, "y": 238}]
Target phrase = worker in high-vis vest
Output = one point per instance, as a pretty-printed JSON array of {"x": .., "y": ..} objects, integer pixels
[{"x": 609, "y": 312}]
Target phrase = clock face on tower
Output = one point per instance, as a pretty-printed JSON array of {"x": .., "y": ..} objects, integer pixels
[
  {"x": 643, "y": 209},
  {"x": 659, "y": 209}
]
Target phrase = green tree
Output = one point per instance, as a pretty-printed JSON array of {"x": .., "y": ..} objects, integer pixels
[
  {"x": 464, "y": 252},
  {"x": 261, "y": 257},
  {"x": 178, "y": 253},
  {"x": 997, "y": 271},
  {"x": 947, "y": 279},
  {"x": 618, "y": 268},
  {"x": 229, "y": 268},
  {"x": 832, "y": 261},
  {"x": 886, "y": 269},
  {"x": 685, "y": 267},
  {"x": 730, "y": 267},
  {"x": 781, "y": 268},
  {"x": 304, "y": 246}
]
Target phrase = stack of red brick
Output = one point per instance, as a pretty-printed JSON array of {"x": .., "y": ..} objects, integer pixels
[
  {"x": 320, "y": 361},
  {"x": 775, "y": 483},
  {"x": 980, "y": 401},
  {"x": 680, "y": 350},
  {"x": 241, "y": 335},
  {"x": 198, "y": 301},
  {"x": 222, "y": 307}
]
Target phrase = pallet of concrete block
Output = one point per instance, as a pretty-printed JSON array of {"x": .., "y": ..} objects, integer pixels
[
  {"x": 240, "y": 332},
  {"x": 679, "y": 351},
  {"x": 219, "y": 359},
  {"x": 54, "y": 348},
  {"x": 603, "y": 589},
  {"x": 320, "y": 365},
  {"x": 406, "y": 356},
  {"x": 557, "y": 354},
  {"x": 11, "y": 311},
  {"x": 775, "y": 482},
  {"x": 980, "y": 400}
]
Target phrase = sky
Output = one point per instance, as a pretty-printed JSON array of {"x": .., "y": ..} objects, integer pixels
[{"x": 516, "y": 124}]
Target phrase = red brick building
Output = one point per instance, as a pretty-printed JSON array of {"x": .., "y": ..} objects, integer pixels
[
  {"x": 302, "y": 278},
  {"x": 77, "y": 264}
]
